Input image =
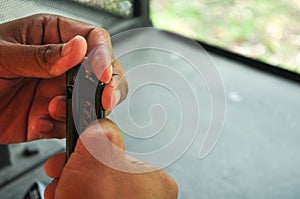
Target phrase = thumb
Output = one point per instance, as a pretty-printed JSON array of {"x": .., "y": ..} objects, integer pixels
[
  {"x": 102, "y": 137},
  {"x": 101, "y": 144},
  {"x": 40, "y": 61}
]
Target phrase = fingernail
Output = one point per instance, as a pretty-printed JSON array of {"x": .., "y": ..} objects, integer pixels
[
  {"x": 110, "y": 69},
  {"x": 116, "y": 98},
  {"x": 108, "y": 73},
  {"x": 54, "y": 180},
  {"x": 44, "y": 125},
  {"x": 67, "y": 48},
  {"x": 60, "y": 108}
]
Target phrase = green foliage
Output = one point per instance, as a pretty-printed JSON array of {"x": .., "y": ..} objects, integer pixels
[{"x": 262, "y": 29}]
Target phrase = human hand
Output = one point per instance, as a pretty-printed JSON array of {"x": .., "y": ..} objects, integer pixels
[
  {"x": 84, "y": 176},
  {"x": 35, "y": 53}
]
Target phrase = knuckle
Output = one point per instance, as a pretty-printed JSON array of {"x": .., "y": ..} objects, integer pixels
[
  {"x": 40, "y": 18},
  {"x": 106, "y": 128},
  {"x": 170, "y": 185},
  {"x": 44, "y": 56},
  {"x": 122, "y": 85},
  {"x": 111, "y": 132},
  {"x": 125, "y": 87},
  {"x": 104, "y": 33}
]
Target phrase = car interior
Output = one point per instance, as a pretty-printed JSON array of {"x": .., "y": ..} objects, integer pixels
[{"x": 223, "y": 124}]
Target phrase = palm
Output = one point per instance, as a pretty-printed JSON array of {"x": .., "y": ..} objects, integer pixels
[
  {"x": 25, "y": 103},
  {"x": 35, "y": 53}
]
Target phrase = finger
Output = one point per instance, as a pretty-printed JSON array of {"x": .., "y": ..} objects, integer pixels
[
  {"x": 53, "y": 29},
  {"x": 69, "y": 28},
  {"x": 117, "y": 89},
  {"x": 41, "y": 61},
  {"x": 50, "y": 190},
  {"x": 101, "y": 59},
  {"x": 99, "y": 49},
  {"x": 40, "y": 124},
  {"x": 107, "y": 128},
  {"x": 43, "y": 126},
  {"x": 57, "y": 108},
  {"x": 54, "y": 166},
  {"x": 102, "y": 141},
  {"x": 99, "y": 145}
]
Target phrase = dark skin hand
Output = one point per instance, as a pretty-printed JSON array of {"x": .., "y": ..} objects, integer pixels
[{"x": 35, "y": 53}]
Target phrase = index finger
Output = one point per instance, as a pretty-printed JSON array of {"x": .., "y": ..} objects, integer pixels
[
  {"x": 58, "y": 29},
  {"x": 99, "y": 45}
]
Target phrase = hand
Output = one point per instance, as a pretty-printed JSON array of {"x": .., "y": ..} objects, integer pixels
[
  {"x": 35, "y": 53},
  {"x": 83, "y": 176}
]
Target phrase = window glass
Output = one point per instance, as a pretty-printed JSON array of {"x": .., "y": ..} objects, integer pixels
[{"x": 262, "y": 29}]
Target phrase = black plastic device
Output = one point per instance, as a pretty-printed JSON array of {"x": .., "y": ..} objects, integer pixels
[{"x": 83, "y": 103}]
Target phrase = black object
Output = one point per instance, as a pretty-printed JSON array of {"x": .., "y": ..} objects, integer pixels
[
  {"x": 4, "y": 154},
  {"x": 12, "y": 172},
  {"x": 252, "y": 63},
  {"x": 36, "y": 191},
  {"x": 85, "y": 106},
  {"x": 31, "y": 149}
]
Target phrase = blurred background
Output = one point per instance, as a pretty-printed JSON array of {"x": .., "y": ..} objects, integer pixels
[
  {"x": 257, "y": 154},
  {"x": 261, "y": 29},
  {"x": 122, "y": 8}
]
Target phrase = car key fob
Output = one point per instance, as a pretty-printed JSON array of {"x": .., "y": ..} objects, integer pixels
[{"x": 83, "y": 103}]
